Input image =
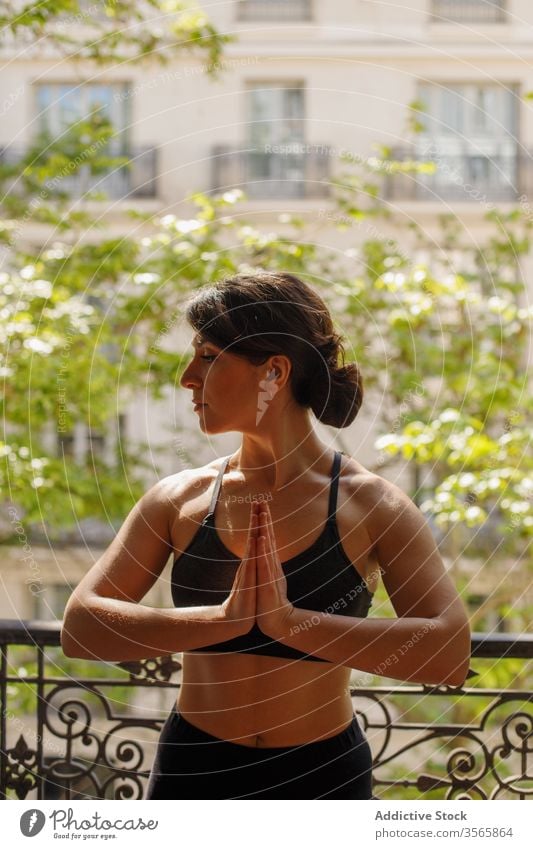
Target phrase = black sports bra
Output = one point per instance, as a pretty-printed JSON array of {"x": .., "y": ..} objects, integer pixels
[{"x": 320, "y": 578}]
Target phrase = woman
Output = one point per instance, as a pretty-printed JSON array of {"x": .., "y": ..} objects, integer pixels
[{"x": 279, "y": 548}]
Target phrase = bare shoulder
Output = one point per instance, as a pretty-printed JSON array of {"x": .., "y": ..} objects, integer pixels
[
  {"x": 360, "y": 480},
  {"x": 178, "y": 489},
  {"x": 381, "y": 500}
]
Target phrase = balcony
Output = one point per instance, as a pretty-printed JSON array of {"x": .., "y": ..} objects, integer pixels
[
  {"x": 136, "y": 180},
  {"x": 290, "y": 171},
  {"x": 66, "y": 735},
  {"x": 468, "y": 11},
  {"x": 476, "y": 178},
  {"x": 274, "y": 10}
]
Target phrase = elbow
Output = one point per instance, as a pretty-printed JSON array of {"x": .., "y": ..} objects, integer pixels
[
  {"x": 456, "y": 677},
  {"x": 66, "y": 636},
  {"x": 69, "y": 644},
  {"x": 74, "y": 632},
  {"x": 454, "y": 654}
]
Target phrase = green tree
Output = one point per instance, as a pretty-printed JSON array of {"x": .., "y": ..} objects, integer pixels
[
  {"x": 440, "y": 334},
  {"x": 441, "y": 327},
  {"x": 53, "y": 299},
  {"x": 113, "y": 31}
]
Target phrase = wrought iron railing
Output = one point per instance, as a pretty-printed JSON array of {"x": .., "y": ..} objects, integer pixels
[
  {"x": 460, "y": 177},
  {"x": 274, "y": 10},
  {"x": 136, "y": 179},
  {"x": 469, "y": 11},
  {"x": 62, "y": 735},
  {"x": 292, "y": 170}
]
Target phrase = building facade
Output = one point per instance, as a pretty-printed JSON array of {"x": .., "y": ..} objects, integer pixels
[{"x": 303, "y": 83}]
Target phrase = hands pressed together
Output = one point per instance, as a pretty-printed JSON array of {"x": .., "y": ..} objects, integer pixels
[{"x": 259, "y": 591}]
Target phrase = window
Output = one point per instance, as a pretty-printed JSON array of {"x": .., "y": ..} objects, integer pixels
[
  {"x": 95, "y": 444},
  {"x": 470, "y": 132},
  {"x": 469, "y": 11},
  {"x": 274, "y": 10},
  {"x": 82, "y": 444},
  {"x": 275, "y": 113},
  {"x": 65, "y": 444},
  {"x": 88, "y": 445},
  {"x": 60, "y": 104},
  {"x": 273, "y": 161},
  {"x": 465, "y": 110},
  {"x": 276, "y": 127}
]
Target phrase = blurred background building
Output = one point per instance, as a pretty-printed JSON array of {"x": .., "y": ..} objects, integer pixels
[{"x": 304, "y": 82}]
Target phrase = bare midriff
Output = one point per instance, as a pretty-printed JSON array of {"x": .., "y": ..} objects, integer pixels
[
  {"x": 263, "y": 701},
  {"x": 259, "y": 700}
]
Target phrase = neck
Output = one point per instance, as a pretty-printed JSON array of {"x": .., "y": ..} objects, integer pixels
[{"x": 276, "y": 456}]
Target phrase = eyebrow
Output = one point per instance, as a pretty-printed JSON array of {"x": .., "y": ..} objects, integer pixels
[{"x": 201, "y": 340}]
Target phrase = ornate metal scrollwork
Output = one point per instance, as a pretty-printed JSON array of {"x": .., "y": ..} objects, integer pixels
[
  {"x": 21, "y": 764},
  {"x": 492, "y": 757},
  {"x": 86, "y": 748},
  {"x": 114, "y": 763},
  {"x": 155, "y": 669}
]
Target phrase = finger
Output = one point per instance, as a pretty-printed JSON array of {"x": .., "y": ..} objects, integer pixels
[
  {"x": 277, "y": 577},
  {"x": 249, "y": 584},
  {"x": 249, "y": 575},
  {"x": 268, "y": 531},
  {"x": 263, "y": 528},
  {"x": 250, "y": 551},
  {"x": 269, "y": 528},
  {"x": 264, "y": 563},
  {"x": 272, "y": 565},
  {"x": 260, "y": 560},
  {"x": 252, "y": 528},
  {"x": 270, "y": 601},
  {"x": 254, "y": 522}
]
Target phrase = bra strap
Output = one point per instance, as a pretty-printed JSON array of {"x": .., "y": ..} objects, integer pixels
[
  {"x": 216, "y": 490},
  {"x": 332, "y": 506},
  {"x": 334, "y": 486}
]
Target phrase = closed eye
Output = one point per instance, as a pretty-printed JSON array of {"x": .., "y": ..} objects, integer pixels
[{"x": 209, "y": 357}]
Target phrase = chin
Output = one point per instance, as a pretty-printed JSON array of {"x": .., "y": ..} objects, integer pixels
[
  {"x": 209, "y": 424},
  {"x": 211, "y": 427}
]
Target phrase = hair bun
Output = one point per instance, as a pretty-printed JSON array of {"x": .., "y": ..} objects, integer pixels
[
  {"x": 330, "y": 351},
  {"x": 259, "y": 314},
  {"x": 336, "y": 395}
]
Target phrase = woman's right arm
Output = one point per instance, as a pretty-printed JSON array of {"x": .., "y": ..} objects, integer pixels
[{"x": 103, "y": 619}]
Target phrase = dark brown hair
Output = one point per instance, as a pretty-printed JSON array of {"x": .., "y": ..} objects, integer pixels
[{"x": 264, "y": 313}]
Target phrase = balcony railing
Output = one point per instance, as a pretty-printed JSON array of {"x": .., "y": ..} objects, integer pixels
[
  {"x": 499, "y": 177},
  {"x": 274, "y": 10},
  {"x": 66, "y": 735},
  {"x": 294, "y": 170},
  {"x": 469, "y": 11},
  {"x": 136, "y": 180}
]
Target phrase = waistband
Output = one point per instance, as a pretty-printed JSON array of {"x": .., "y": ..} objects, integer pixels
[{"x": 351, "y": 734}]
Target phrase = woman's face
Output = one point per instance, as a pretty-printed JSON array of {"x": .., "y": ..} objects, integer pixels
[{"x": 225, "y": 385}]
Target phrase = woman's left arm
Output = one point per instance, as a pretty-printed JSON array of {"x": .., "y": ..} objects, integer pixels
[{"x": 429, "y": 642}]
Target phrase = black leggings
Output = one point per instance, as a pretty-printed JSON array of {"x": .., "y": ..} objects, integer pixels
[{"x": 192, "y": 764}]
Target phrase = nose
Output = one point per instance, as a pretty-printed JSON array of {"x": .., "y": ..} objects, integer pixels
[{"x": 188, "y": 379}]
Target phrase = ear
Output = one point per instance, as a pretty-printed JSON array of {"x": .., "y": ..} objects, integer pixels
[{"x": 280, "y": 368}]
